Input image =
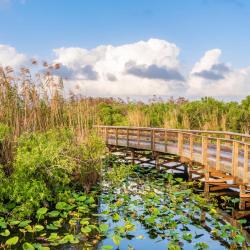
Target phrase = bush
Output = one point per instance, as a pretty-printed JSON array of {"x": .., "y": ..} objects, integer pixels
[
  {"x": 48, "y": 164},
  {"x": 43, "y": 165}
]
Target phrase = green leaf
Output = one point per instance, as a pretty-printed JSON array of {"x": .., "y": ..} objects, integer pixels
[
  {"x": 107, "y": 247},
  {"x": 52, "y": 227},
  {"x": 38, "y": 228},
  {"x": 187, "y": 236},
  {"x": 201, "y": 246},
  {"x": 53, "y": 214},
  {"x": 104, "y": 228},
  {"x": 53, "y": 237},
  {"x": 116, "y": 217},
  {"x": 41, "y": 212},
  {"x": 12, "y": 241},
  {"x": 173, "y": 246},
  {"x": 116, "y": 239},
  {"x": 82, "y": 198},
  {"x": 86, "y": 229},
  {"x": 28, "y": 246},
  {"x": 61, "y": 205},
  {"x": 3, "y": 225},
  {"x": 14, "y": 222},
  {"x": 5, "y": 233},
  {"x": 24, "y": 223}
]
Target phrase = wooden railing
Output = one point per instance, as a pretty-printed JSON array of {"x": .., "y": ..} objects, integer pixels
[{"x": 220, "y": 151}]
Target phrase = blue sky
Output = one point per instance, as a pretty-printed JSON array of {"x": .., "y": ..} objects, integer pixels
[
  {"x": 36, "y": 27},
  {"x": 195, "y": 26}
]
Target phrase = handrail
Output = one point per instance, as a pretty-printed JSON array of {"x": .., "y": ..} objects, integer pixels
[
  {"x": 213, "y": 132},
  {"x": 223, "y": 153}
]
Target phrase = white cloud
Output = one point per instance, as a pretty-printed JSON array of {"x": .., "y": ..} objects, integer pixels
[
  {"x": 10, "y": 57},
  {"x": 144, "y": 68},
  {"x": 210, "y": 77}
]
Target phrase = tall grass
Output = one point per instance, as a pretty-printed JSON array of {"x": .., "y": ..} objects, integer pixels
[{"x": 37, "y": 102}]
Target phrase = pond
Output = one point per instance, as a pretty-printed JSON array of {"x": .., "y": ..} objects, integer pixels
[{"x": 140, "y": 209}]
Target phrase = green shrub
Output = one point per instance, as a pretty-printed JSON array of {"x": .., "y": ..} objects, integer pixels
[{"x": 43, "y": 165}]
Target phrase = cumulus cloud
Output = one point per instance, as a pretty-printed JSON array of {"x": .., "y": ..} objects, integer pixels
[
  {"x": 211, "y": 77},
  {"x": 10, "y": 57},
  {"x": 144, "y": 68}
]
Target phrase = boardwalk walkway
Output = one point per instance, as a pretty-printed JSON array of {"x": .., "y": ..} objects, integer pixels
[{"x": 223, "y": 157}]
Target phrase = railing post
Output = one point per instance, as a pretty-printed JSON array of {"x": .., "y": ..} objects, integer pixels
[
  {"x": 116, "y": 136},
  {"x": 180, "y": 144},
  {"x": 235, "y": 159},
  {"x": 127, "y": 129},
  {"x": 107, "y": 135},
  {"x": 191, "y": 147},
  {"x": 152, "y": 139},
  {"x": 218, "y": 149},
  {"x": 204, "y": 150},
  {"x": 138, "y": 138},
  {"x": 205, "y": 163},
  {"x": 245, "y": 167},
  {"x": 166, "y": 140}
]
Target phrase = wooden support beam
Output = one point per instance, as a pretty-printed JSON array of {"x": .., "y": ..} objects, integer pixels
[{"x": 242, "y": 204}]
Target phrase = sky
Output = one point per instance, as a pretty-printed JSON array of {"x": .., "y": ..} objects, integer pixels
[{"x": 134, "y": 47}]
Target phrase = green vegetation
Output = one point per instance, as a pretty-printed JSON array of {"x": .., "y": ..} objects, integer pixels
[
  {"x": 205, "y": 114},
  {"x": 58, "y": 187}
]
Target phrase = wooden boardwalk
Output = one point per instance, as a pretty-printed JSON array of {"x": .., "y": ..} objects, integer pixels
[{"x": 220, "y": 159}]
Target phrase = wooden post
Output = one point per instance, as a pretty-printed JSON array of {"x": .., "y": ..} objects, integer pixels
[
  {"x": 235, "y": 159},
  {"x": 180, "y": 144},
  {"x": 138, "y": 138},
  {"x": 218, "y": 149},
  {"x": 152, "y": 140},
  {"x": 191, "y": 147},
  {"x": 106, "y": 135},
  {"x": 157, "y": 162},
  {"x": 242, "y": 204},
  {"x": 116, "y": 136},
  {"x": 245, "y": 166},
  {"x": 205, "y": 164},
  {"x": 127, "y": 137},
  {"x": 204, "y": 150},
  {"x": 133, "y": 157},
  {"x": 166, "y": 140}
]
